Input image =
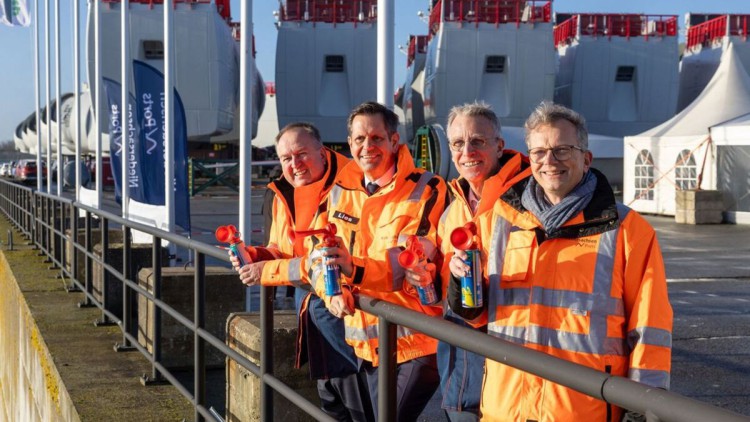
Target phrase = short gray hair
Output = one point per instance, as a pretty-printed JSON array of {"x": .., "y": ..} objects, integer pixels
[
  {"x": 548, "y": 112},
  {"x": 306, "y": 127},
  {"x": 477, "y": 108}
]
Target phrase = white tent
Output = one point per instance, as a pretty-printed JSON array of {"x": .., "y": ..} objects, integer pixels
[
  {"x": 675, "y": 154},
  {"x": 731, "y": 142}
]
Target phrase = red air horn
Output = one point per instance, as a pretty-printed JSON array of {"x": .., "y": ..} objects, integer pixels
[
  {"x": 229, "y": 234},
  {"x": 463, "y": 237},
  {"x": 409, "y": 258},
  {"x": 471, "y": 284},
  {"x": 414, "y": 252},
  {"x": 331, "y": 276}
]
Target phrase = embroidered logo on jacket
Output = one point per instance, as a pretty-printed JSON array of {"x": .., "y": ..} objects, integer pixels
[{"x": 346, "y": 217}]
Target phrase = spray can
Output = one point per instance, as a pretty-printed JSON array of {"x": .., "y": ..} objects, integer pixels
[
  {"x": 409, "y": 258},
  {"x": 331, "y": 279},
  {"x": 332, "y": 274},
  {"x": 471, "y": 283},
  {"x": 427, "y": 294},
  {"x": 229, "y": 234}
]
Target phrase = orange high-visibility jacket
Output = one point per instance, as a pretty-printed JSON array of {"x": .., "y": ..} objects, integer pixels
[
  {"x": 374, "y": 229},
  {"x": 593, "y": 292},
  {"x": 294, "y": 209},
  {"x": 514, "y": 166},
  {"x": 461, "y": 372}
]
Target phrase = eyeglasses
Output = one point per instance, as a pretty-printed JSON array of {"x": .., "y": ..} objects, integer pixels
[
  {"x": 374, "y": 140},
  {"x": 476, "y": 143},
  {"x": 561, "y": 153}
]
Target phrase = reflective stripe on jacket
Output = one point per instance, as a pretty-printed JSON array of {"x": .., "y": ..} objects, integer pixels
[
  {"x": 461, "y": 371},
  {"x": 374, "y": 229},
  {"x": 593, "y": 293},
  {"x": 320, "y": 336}
]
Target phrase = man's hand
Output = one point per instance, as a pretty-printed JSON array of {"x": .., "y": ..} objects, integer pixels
[
  {"x": 457, "y": 265},
  {"x": 342, "y": 305},
  {"x": 234, "y": 259},
  {"x": 250, "y": 274},
  {"x": 420, "y": 275},
  {"x": 340, "y": 256}
]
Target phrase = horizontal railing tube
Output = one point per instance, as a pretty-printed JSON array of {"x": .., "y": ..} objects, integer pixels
[{"x": 622, "y": 392}]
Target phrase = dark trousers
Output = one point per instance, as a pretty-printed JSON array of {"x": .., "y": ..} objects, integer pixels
[
  {"x": 458, "y": 416},
  {"x": 416, "y": 382},
  {"x": 346, "y": 398}
]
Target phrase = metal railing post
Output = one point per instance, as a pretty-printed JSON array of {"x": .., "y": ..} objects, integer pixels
[
  {"x": 89, "y": 270},
  {"x": 74, "y": 286},
  {"x": 127, "y": 296},
  {"x": 104, "y": 227},
  {"x": 155, "y": 378},
  {"x": 199, "y": 302},
  {"x": 266, "y": 354},
  {"x": 387, "y": 349}
]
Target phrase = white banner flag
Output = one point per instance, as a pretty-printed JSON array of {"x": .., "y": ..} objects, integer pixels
[{"x": 14, "y": 13}]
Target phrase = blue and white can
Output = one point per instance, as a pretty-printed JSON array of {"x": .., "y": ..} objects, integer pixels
[
  {"x": 427, "y": 294},
  {"x": 331, "y": 279},
  {"x": 471, "y": 283}
]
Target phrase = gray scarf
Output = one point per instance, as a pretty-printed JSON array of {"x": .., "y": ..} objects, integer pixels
[{"x": 551, "y": 216}]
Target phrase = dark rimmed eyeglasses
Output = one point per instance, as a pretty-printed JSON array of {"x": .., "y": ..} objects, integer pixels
[{"x": 561, "y": 153}]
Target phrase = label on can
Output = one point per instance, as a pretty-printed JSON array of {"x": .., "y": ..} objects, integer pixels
[
  {"x": 471, "y": 283},
  {"x": 333, "y": 287},
  {"x": 331, "y": 279},
  {"x": 427, "y": 294},
  {"x": 238, "y": 249}
]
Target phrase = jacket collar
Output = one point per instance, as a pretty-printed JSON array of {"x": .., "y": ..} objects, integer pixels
[
  {"x": 287, "y": 193},
  {"x": 600, "y": 214},
  {"x": 514, "y": 166},
  {"x": 351, "y": 176}
]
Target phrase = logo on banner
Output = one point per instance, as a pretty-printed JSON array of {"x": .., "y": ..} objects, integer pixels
[
  {"x": 150, "y": 113},
  {"x": 112, "y": 90}
]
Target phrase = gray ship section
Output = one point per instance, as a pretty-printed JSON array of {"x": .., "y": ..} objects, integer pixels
[
  {"x": 326, "y": 56},
  {"x": 708, "y": 36},
  {"x": 619, "y": 71},
  {"x": 508, "y": 63}
]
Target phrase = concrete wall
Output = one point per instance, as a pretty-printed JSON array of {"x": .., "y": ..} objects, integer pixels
[
  {"x": 55, "y": 365},
  {"x": 243, "y": 388},
  {"x": 224, "y": 295},
  {"x": 30, "y": 386}
]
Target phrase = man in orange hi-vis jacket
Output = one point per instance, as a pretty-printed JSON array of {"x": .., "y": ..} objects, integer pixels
[
  {"x": 309, "y": 170},
  {"x": 571, "y": 273},
  {"x": 485, "y": 171},
  {"x": 380, "y": 199}
]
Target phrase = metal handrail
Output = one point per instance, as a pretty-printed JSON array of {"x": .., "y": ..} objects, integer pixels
[
  {"x": 656, "y": 404},
  {"x": 38, "y": 224}
]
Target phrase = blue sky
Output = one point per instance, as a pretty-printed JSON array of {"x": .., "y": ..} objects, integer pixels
[{"x": 17, "y": 44}]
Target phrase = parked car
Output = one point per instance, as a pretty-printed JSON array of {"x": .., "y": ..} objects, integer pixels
[
  {"x": 26, "y": 171},
  {"x": 5, "y": 170},
  {"x": 108, "y": 180}
]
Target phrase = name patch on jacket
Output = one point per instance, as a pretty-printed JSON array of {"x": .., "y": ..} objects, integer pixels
[{"x": 346, "y": 217}]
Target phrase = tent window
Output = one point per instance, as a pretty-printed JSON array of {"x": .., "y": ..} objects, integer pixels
[
  {"x": 625, "y": 74},
  {"x": 685, "y": 171},
  {"x": 494, "y": 64},
  {"x": 644, "y": 176},
  {"x": 335, "y": 64}
]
